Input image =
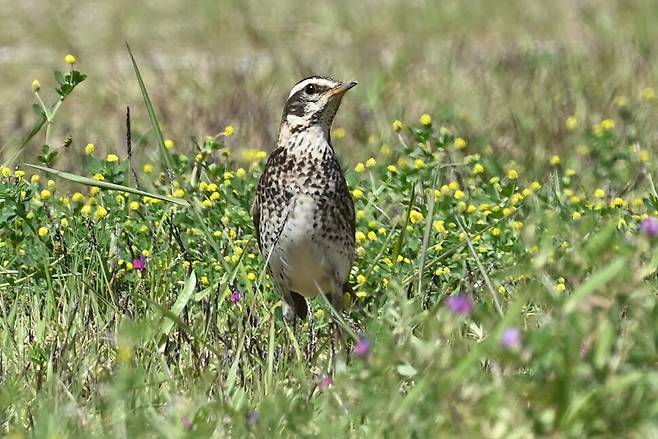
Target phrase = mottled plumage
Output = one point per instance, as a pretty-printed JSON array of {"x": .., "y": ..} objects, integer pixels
[{"x": 303, "y": 211}]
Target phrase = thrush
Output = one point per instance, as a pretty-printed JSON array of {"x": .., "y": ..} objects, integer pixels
[{"x": 303, "y": 211}]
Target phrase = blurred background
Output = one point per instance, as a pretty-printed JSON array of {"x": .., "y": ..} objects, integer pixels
[{"x": 504, "y": 73}]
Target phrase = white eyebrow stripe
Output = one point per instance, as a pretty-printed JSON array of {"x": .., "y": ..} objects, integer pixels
[{"x": 317, "y": 81}]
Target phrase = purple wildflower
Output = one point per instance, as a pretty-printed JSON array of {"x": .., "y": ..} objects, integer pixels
[
  {"x": 235, "y": 297},
  {"x": 252, "y": 418},
  {"x": 460, "y": 304},
  {"x": 511, "y": 338},
  {"x": 650, "y": 227},
  {"x": 139, "y": 264},
  {"x": 325, "y": 382},
  {"x": 362, "y": 347}
]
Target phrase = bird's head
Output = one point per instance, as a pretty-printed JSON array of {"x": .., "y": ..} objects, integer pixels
[{"x": 313, "y": 102}]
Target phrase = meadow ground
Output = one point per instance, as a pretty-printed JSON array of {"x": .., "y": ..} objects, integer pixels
[{"x": 501, "y": 157}]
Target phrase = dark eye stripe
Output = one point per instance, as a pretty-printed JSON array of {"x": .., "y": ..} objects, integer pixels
[{"x": 295, "y": 104}]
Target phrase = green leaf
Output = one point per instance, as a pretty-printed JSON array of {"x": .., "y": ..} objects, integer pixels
[
  {"x": 181, "y": 302},
  {"x": 406, "y": 370},
  {"x": 106, "y": 185},
  {"x": 38, "y": 110},
  {"x": 59, "y": 77},
  {"x": 595, "y": 282}
]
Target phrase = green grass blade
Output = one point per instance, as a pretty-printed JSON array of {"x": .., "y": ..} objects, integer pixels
[
  {"x": 151, "y": 111},
  {"x": 596, "y": 281},
  {"x": 105, "y": 185},
  {"x": 181, "y": 302},
  {"x": 398, "y": 245},
  {"x": 33, "y": 132}
]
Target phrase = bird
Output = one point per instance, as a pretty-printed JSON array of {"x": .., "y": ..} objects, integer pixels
[{"x": 303, "y": 211}]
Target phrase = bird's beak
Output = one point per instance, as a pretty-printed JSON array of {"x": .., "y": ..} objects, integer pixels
[{"x": 341, "y": 88}]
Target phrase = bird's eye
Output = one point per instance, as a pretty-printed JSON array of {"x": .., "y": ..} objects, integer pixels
[{"x": 310, "y": 89}]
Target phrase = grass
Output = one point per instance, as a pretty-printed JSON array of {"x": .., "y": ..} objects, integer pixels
[{"x": 505, "y": 277}]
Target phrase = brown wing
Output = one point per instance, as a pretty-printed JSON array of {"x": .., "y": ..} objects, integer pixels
[
  {"x": 263, "y": 183},
  {"x": 255, "y": 216}
]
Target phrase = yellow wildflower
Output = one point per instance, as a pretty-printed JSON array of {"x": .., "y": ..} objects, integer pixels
[
  {"x": 70, "y": 59},
  {"x": 571, "y": 123},
  {"x": 397, "y": 125},
  {"x": 36, "y": 85},
  {"x": 555, "y": 160},
  {"x": 112, "y": 158},
  {"x": 357, "y": 194},
  {"x": 439, "y": 226},
  {"x": 360, "y": 167},
  {"x": 459, "y": 143},
  {"x": 599, "y": 193},
  {"x": 148, "y": 168},
  {"x": 478, "y": 168},
  {"x": 512, "y": 174},
  {"x": 43, "y": 231},
  {"x": 90, "y": 148},
  {"x": 415, "y": 216},
  {"x": 617, "y": 202},
  {"x": 101, "y": 212},
  {"x": 607, "y": 124},
  {"x": 425, "y": 119}
]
